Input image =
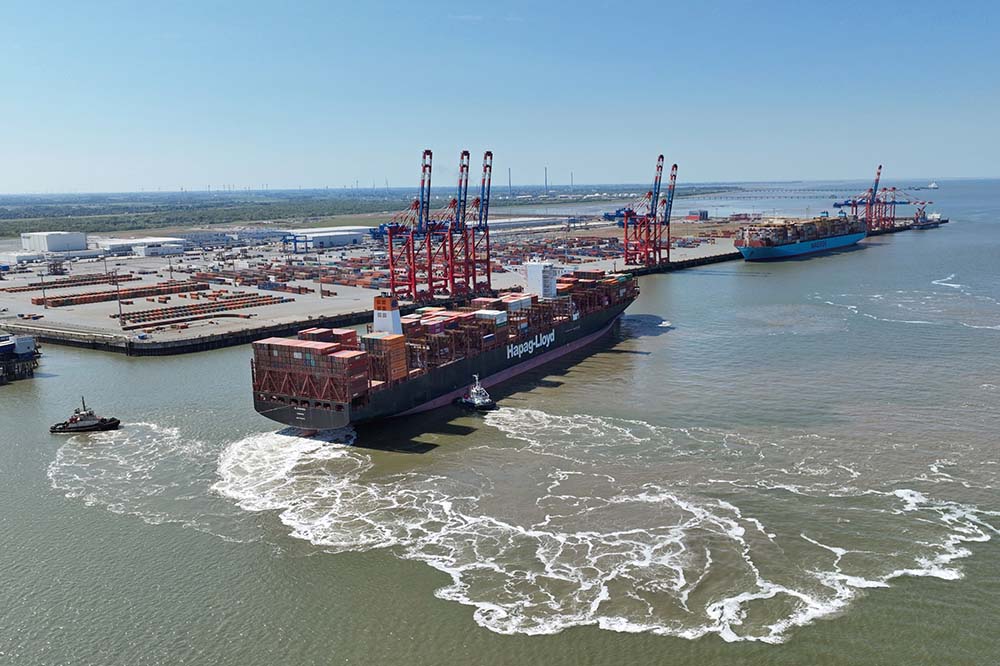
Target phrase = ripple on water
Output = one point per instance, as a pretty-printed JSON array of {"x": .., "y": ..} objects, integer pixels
[
  {"x": 620, "y": 524},
  {"x": 149, "y": 471},
  {"x": 946, "y": 303}
]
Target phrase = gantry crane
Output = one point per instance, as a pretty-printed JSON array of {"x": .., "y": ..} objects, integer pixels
[
  {"x": 877, "y": 207},
  {"x": 645, "y": 243},
  {"x": 440, "y": 253}
]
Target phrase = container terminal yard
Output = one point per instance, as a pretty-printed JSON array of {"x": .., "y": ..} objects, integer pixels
[
  {"x": 213, "y": 298},
  {"x": 204, "y": 290}
]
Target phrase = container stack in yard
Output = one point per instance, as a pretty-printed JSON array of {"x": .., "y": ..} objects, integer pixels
[
  {"x": 352, "y": 271},
  {"x": 565, "y": 250},
  {"x": 115, "y": 294},
  {"x": 75, "y": 281},
  {"x": 217, "y": 304},
  {"x": 371, "y": 271}
]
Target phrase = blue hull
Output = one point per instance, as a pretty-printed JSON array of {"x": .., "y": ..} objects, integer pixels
[{"x": 798, "y": 249}]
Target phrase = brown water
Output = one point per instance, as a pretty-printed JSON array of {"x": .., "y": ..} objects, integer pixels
[{"x": 802, "y": 468}]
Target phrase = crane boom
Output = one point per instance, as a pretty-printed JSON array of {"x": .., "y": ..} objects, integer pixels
[
  {"x": 484, "y": 191},
  {"x": 655, "y": 198},
  {"x": 423, "y": 215},
  {"x": 463, "y": 190},
  {"x": 670, "y": 195},
  {"x": 872, "y": 198}
]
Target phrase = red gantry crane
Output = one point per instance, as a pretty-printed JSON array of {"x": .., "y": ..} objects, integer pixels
[
  {"x": 402, "y": 232},
  {"x": 477, "y": 232},
  {"x": 440, "y": 253},
  {"x": 877, "y": 207},
  {"x": 647, "y": 230}
]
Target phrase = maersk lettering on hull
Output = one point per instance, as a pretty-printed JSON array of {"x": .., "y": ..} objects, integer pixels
[{"x": 777, "y": 252}]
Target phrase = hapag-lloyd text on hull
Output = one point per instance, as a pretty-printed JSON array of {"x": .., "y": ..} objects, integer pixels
[{"x": 540, "y": 341}]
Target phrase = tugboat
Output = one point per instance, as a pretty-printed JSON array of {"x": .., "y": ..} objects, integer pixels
[
  {"x": 477, "y": 399},
  {"x": 84, "y": 420}
]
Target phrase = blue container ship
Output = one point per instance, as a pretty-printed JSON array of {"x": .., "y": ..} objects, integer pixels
[{"x": 773, "y": 241}]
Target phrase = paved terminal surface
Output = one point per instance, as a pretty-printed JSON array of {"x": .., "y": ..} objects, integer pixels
[
  {"x": 720, "y": 246},
  {"x": 95, "y": 319}
]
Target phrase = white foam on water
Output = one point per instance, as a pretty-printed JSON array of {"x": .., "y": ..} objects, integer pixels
[
  {"x": 946, "y": 282},
  {"x": 149, "y": 471},
  {"x": 850, "y": 470},
  {"x": 853, "y": 309},
  {"x": 912, "y": 500},
  {"x": 899, "y": 321},
  {"x": 957, "y": 306},
  {"x": 988, "y": 328},
  {"x": 593, "y": 534}
]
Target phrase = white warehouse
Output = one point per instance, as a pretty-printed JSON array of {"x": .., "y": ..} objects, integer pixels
[
  {"x": 324, "y": 237},
  {"x": 15, "y": 258},
  {"x": 158, "y": 249},
  {"x": 53, "y": 241},
  {"x": 130, "y": 245}
]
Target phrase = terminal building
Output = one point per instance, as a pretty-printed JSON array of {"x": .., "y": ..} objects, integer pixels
[
  {"x": 158, "y": 249},
  {"x": 120, "y": 246},
  {"x": 305, "y": 240},
  {"x": 11, "y": 259},
  {"x": 53, "y": 241}
]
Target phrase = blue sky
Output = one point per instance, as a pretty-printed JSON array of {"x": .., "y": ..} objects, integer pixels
[{"x": 124, "y": 96}]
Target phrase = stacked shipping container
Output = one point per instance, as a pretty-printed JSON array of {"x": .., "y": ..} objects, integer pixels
[
  {"x": 387, "y": 352},
  {"x": 114, "y": 294},
  {"x": 319, "y": 365}
]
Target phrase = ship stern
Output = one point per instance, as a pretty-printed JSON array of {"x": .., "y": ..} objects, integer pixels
[{"x": 302, "y": 413}]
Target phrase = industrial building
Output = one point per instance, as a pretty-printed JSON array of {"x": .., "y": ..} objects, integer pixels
[
  {"x": 15, "y": 258},
  {"x": 158, "y": 249},
  {"x": 304, "y": 240},
  {"x": 129, "y": 245},
  {"x": 53, "y": 241},
  {"x": 76, "y": 254}
]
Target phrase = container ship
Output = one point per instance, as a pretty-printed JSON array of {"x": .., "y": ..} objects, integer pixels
[
  {"x": 18, "y": 357},
  {"x": 329, "y": 378},
  {"x": 932, "y": 221},
  {"x": 769, "y": 241}
]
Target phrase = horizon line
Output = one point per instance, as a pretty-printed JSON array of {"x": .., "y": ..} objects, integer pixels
[{"x": 322, "y": 188}]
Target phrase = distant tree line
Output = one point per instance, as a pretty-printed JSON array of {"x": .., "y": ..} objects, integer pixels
[{"x": 137, "y": 211}]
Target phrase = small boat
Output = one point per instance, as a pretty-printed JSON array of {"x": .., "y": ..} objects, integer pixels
[
  {"x": 932, "y": 221},
  {"x": 477, "y": 399},
  {"x": 84, "y": 420}
]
